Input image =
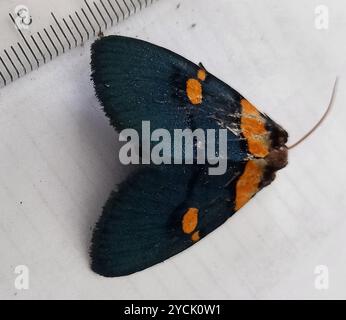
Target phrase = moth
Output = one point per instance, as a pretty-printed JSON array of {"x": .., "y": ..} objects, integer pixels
[{"x": 161, "y": 210}]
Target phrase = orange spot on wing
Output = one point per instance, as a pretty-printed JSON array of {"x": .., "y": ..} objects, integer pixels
[
  {"x": 253, "y": 128},
  {"x": 201, "y": 74},
  {"x": 248, "y": 183},
  {"x": 194, "y": 91},
  {"x": 195, "y": 236},
  {"x": 190, "y": 220}
]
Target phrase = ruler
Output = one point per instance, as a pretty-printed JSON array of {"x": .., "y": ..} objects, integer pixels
[{"x": 35, "y": 32}]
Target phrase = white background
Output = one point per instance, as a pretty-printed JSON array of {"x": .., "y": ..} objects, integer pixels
[{"x": 59, "y": 161}]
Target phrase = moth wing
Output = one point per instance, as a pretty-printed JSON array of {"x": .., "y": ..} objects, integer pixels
[
  {"x": 135, "y": 230},
  {"x": 162, "y": 210},
  {"x": 214, "y": 197},
  {"x": 136, "y": 81},
  {"x": 158, "y": 212}
]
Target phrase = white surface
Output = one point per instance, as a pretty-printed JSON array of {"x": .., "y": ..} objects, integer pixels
[{"x": 59, "y": 161}]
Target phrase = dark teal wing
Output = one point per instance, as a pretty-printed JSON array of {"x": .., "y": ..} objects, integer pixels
[
  {"x": 214, "y": 197},
  {"x": 135, "y": 230},
  {"x": 161, "y": 210},
  {"x": 136, "y": 81},
  {"x": 143, "y": 223}
]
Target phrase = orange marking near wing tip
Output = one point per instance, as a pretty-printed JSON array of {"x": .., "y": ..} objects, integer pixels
[
  {"x": 190, "y": 220},
  {"x": 248, "y": 183},
  {"x": 201, "y": 74},
  {"x": 195, "y": 236},
  {"x": 254, "y": 130},
  {"x": 194, "y": 91}
]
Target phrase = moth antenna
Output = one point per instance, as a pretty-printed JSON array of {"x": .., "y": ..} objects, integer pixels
[{"x": 329, "y": 108}]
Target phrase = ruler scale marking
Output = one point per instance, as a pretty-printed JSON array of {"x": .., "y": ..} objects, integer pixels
[
  {"x": 109, "y": 2},
  {"x": 140, "y": 5},
  {"x": 38, "y": 48},
  {"x": 93, "y": 15},
  {"x": 61, "y": 30},
  {"x": 105, "y": 9},
  {"x": 51, "y": 41},
  {"x": 61, "y": 44},
  {"x": 41, "y": 40},
  {"x": 74, "y": 24},
  {"x": 6, "y": 68},
  {"x": 122, "y": 11},
  {"x": 127, "y": 8},
  {"x": 26, "y": 42},
  {"x": 45, "y": 45},
  {"x": 19, "y": 60},
  {"x": 134, "y": 7},
  {"x": 93, "y": 29},
  {"x": 25, "y": 55},
  {"x": 102, "y": 17},
  {"x": 11, "y": 61},
  {"x": 3, "y": 78},
  {"x": 69, "y": 29},
  {"x": 81, "y": 22}
]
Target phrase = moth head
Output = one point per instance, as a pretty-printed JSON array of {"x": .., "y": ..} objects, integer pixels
[
  {"x": 266, "y": 142},
  {"x": 262, "y": 134}
]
